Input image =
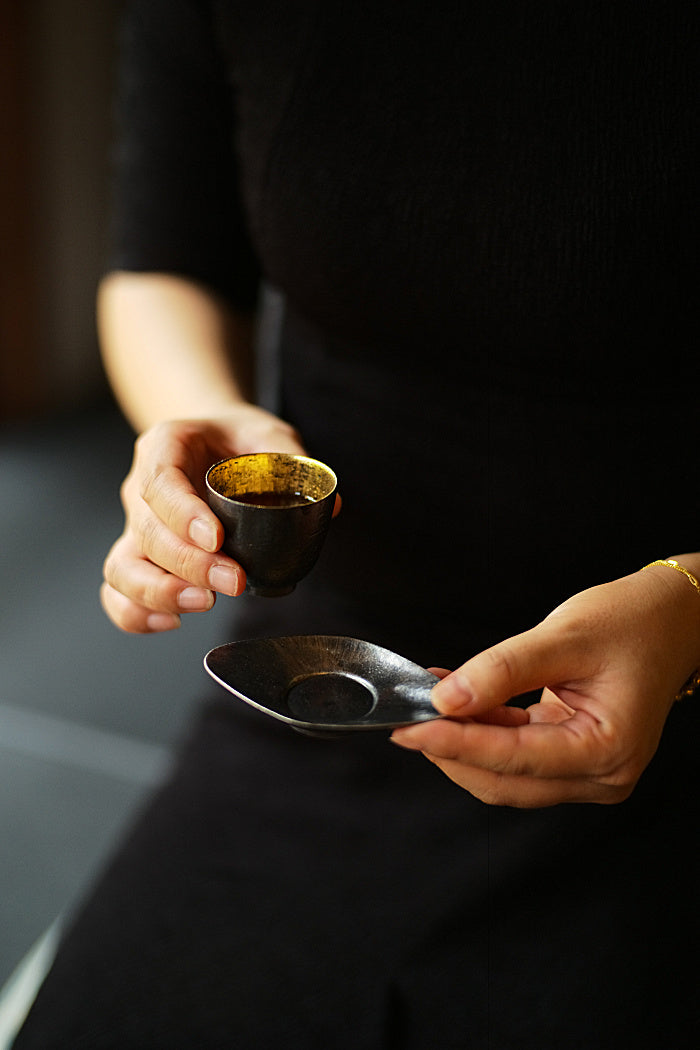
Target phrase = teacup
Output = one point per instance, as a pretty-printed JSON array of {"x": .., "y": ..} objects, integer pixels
[{"x": 275, "y": 509}]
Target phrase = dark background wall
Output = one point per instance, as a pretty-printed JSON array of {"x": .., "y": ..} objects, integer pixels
[{"x": 56, "y": 65}]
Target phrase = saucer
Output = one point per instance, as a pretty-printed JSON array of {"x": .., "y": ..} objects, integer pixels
[{"x": 324, "y": 685}]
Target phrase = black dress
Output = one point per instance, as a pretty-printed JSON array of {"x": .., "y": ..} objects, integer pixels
[{"x": 483, "y": 219}]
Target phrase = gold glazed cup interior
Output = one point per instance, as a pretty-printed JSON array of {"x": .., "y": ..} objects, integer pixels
[
  {"x": 275, "y": 472},
  {"x": 276, "y": 545}
]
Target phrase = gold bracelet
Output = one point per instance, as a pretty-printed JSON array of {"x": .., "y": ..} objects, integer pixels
[
  {"x": 693, "y": 682},
  {"x": 690, "y": 687},
  {"x": 673, "y": 564}
]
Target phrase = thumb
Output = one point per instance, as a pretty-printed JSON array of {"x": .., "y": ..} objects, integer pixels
[{"x": 526, "y": 661}]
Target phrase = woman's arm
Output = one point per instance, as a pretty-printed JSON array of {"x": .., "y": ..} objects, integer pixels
[
  {"x": 171, "y": 348},
  {"x": 179, "y": 361}
]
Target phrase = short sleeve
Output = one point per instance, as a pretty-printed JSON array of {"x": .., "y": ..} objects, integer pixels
[{"x": 176, "y": 204}]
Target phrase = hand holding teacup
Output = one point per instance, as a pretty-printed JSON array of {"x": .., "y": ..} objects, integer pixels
[{"x": 169, "y": 558}]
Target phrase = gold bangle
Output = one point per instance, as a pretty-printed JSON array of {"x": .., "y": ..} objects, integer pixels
[
  {"x": 690, "y": 687},
  {"x": 673, "y": 564},
  {"x": 693, "y": 682}
]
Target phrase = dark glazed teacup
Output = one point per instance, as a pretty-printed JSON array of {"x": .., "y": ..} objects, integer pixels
[{"x": 275, "y": 509}]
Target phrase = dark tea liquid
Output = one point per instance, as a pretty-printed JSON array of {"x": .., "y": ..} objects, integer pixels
[{"x": 273, "y": 499}]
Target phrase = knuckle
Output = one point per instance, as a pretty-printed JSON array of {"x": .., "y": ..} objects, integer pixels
[
  {"x": 188, "y": 565},
  {"x": 270, "y": 430},
  {"x": 126, "y": 491},
  {"x": 287, "y": 429},
  {"x": 498, "y": 791},
  {"x": 503, "y": 660},
  {"x": 133, "y": 621},
  {"x": 154, "y": 596},
  {"x": 105, "y": 601},
  {"x": 121, "y": 613},
  {"x": 111, "y": 564},
  {"x": 498, "y": 655},
  {"x": 108, "y": 569},
  {"x": 620, "y": 773},
  {"x": 614, "y": 793},
  {"x": 621, "y": 782},
  {"x": 142, "y": 453},
  {"x": 147, "y": 528},
  {"x": 162, "y": 483},
  {"x": 126, "y": 621},
  {"x": 149, "y": 449},
  {"x": 493, "y": 796},
  {"x": 149, "y": 483},
  {"x": 148, "y": 439}
]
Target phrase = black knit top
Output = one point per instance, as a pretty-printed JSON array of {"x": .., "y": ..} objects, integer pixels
[{"x": 484, "y": 221}]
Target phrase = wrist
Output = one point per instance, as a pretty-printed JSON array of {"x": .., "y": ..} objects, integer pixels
[
  {"x": 689, "y": 561},
  {"x": 680, "y": 578}
]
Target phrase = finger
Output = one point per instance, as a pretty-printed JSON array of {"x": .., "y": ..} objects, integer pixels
[
  {"x": 150, "y": 586},
  {"x": 168, "y": 478},
  {"x": 171, "y": 496},
  {"x": 133, "y": 618},
  {"x": 523, "y": 792},
  {"x": 550, "y": 709},
  {"x": 537, "y": 658},
  {"x": 439, "y": 672},
  {"x": 187, "y": 562},
  {"x": 575, "y": 748},
  {"x": 504, "y": 716}
]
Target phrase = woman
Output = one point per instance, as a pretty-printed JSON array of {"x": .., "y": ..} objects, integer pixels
[{"x": 483, "y": 223}]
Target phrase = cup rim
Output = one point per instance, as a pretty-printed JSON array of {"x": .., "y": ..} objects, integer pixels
[{"x": 298, "y": 457}]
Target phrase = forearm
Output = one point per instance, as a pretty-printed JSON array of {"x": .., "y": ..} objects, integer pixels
[{"x": 172, "y": 349}]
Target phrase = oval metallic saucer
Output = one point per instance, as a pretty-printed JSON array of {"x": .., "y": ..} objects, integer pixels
[{"x": 324, "y": 685}]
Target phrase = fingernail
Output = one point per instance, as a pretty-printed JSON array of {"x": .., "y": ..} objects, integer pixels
[
  {"x": 403, "y": 739},
  {"x": 203, "y": 534},
  {"x": 156, "y": 622},
  {"x": 195, "y": 599},
  {"x": 226, "y": 580}
]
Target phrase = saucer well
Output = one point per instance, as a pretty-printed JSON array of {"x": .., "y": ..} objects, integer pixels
[{"x": 324, "y": 684}]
